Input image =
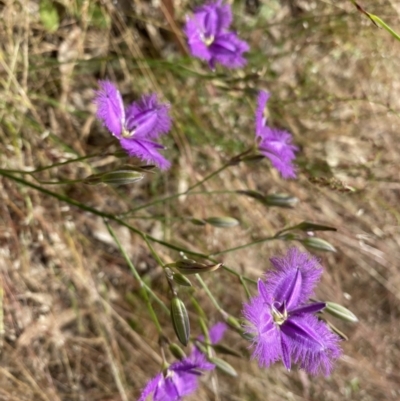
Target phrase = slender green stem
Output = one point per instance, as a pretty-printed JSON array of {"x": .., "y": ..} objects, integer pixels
[
  {"x": 153, "y": 252},
  {"x": 214, "y": 173},
  {"x": 109, "y": 216},
  {"x": 39, "y": 169},
  {"x": 143, "y": 285},
  {"x": 63, "y": 182},
  {"x": 243, "y": 282},
  {"x": 174, "y": 196},
  {"x": 259, "y": 241},
  {"x": 210, "y": 295}
]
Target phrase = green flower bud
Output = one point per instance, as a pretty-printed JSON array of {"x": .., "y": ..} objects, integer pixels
[
  {"x": 223, "y": 366},
  {"x": 340, "y": 312},
  {"x": 180, "y": 279},
  {"x": 177, "y": 351},
  {"x": 319, "y": 244},
  {"x": 222, "y": 222},
  {"x": 116, "y": 177}
]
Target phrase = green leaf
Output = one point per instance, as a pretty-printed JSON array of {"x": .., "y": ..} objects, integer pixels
[{"x": 49, "y": 15}]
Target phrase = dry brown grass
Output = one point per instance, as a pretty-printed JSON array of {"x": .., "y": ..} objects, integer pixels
[{"x": 73, "y": 324}]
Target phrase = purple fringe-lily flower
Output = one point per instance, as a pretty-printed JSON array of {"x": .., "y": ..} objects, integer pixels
[
  {"x": 282, "y": 320},
  {"x": 137, "y": 126},
  {"x": 209, "y": 38},
  {"x": 180, "y": 378},
  {"x": 274, "y": 143}
]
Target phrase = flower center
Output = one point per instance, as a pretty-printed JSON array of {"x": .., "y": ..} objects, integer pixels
[
  {"x": 278, "y": 317},
  {"x": 208, "y": 40},
  {"x": 126, "y": 133}
]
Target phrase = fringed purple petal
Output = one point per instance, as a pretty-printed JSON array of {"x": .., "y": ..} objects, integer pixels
[
  {"x": 167, "y": 389},
  {"x": 277, "y": 146},
  {"x": 147, "y": 118},
  {"x": 266, "y": 342},
  {"x": 199, "y": 49},
  {"x": 262, "y": 290},
  {"x": 110, "y": 108},
  {"x": 262, "y": 100},
  {"x": 213, "y": 18},
  {"x": 227, "y": 49},
  {"x": 285, "y": 267},
  {"x": 286, "y": 353},
  {"x": 209, "y": 20},
  {"x": 147, "y": 151},
  {"x": 313, "y": 345},
  {"x": 311, "y": 308},
  {"x": 151, "y": 387}
]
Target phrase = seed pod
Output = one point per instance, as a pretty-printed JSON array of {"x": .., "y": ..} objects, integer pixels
[
  {"x": 340, "y": 312},
  {"x": 319, "y": 244},
  {"x": 180, "y": 320},
  {"x": 180, "y": 279},
  {"x": 116, "y": 177},
  {"x": 222, "y": 222},
  {"x": 177, "y": 351},
  {"x": 223, "y": 366}
]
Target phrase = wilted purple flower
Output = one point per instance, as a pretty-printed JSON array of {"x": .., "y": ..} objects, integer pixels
[
  {"x": 274, "y": 143},
  {"x": 282, "y": 320},
  {"x": 209, "y": 38},
  {"x": 137, "y": 126}
]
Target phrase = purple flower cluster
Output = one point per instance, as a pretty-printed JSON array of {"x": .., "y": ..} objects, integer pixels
[
  {"x": 282, "y": 321},
  {"x": 180, "y": 378},
  {"x": 209, "y": 38},
  {"x": 274, "y": 143},
  {"x": 136, "y": 126}
]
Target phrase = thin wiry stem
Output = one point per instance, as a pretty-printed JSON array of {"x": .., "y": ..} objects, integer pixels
[{"x": 147, "y": 289}]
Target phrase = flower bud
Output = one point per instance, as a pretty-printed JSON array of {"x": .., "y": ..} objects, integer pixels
[
  {"x": 177, "y": 351},
  {"x": 189, "y": 266},
  {"x": 307, "y": 226},
  {"x": 340, "y": 312},
  {"x": 223, "y": 349},
  {"x": 318, "y": 244},
  {"x": 180, "y": 320},
  {"x": 223, "y": 222},
  {"x": 281, "y": 200},
  {"x": 180, "y": 279},
  {"x": 223, "y": 366},
  {"x": 116, "y": 177}
]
